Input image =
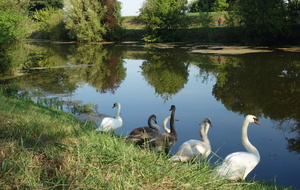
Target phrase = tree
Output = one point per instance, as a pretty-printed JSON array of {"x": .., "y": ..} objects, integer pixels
[
  {"x": 263, "y": 22},
  {"x": 220, "y": 5},
  {"x": 293, "y": 9},
  {"x": 91, "y": 20},
  {"x": 162, "y": 17},
  {"x": 113, "y": 19},
  {"x": 42, "y": 4},
  {"x": 14, "y": 23},
  {"x": 51, "y": 24},
  {"x": 201, "y": 5}
]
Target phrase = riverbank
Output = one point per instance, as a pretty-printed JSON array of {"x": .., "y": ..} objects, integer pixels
[{"x": 43, "y": 148}]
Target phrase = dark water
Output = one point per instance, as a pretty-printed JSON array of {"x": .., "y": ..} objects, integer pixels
[{"x": 148, "y": 81}]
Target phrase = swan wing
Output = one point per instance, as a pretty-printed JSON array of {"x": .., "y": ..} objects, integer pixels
[
  {"x": 109, "y": 124},
  {"x": 191, "y": 149},
  {"x": 237, "y": 165},
  {"x": 142, "y": 130}
]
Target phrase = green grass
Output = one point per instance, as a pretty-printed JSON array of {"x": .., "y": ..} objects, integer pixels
[{"x": 44, "y": 148}]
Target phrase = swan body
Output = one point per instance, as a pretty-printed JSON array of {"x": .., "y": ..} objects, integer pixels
[
  {"x": 165, "y": 141},
  {"x": 138, "y": 135},
  {"x": 238, "y": 165},
  {"x": 195, "y": 148},
  {"x": 111, "y": 123}
]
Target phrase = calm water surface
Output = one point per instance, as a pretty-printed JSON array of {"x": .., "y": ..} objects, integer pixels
[{"x": 149, "y": 81}]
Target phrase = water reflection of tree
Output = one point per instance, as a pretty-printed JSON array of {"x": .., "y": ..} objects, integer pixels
[
  {"x": 207, "y": 65},
  {"x": 105, "y": 70},
  {"x": 294, "y": 142},
  {"x": 263, "y": 84},
  {"x": 90, "y": 63},
  {"x": 54, "y": 81},
  {"x": 166, "y": 72},
  {"x": 12, "y": 57}
]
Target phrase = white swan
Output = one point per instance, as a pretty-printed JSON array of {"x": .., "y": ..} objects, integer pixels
[
  {"x": 238, "y": 165},
  {"x": 195, "y": 148},
  {"x": 138, "y": 135},
  {"x": 165, "y": 141},
  {"x": 111, "y": 123}
]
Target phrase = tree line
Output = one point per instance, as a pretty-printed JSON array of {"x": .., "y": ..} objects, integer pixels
[{"x": 259, "y": 22}]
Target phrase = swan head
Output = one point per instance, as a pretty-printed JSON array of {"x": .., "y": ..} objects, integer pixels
[
  {"x": 252, "y": 119},
  {"x": 207, "y": 120},
  {"x": 172, "y": 108},
  {"x": 153, "y": 117},
  {"x": 117, "y": 104}
]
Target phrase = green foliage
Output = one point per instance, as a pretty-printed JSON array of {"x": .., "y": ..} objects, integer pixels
[
  {"x": 220, "y": 5},
  {"x": 83, "y": 19},
  {"x": 86, "y": 108},
  {"x": 14, "y": 23},
  {"x": 201, "y": 5},
  {"x": 162, "y": 17},
  {"x": 13, "y": 57},
  {"x": 263, "y": 22},
  {"x": 42, "y": 4},
  {"x": 206, "y": 19},
  {"x": 51, "y": 24},
  {"x": 113, "y": 20},
  {"x": 293, "y": 10},
  {"x": 93, "y": 20}
]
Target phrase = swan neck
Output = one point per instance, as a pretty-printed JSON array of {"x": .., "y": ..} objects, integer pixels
[
  {"x": 248, "y": 146},
  {"x": 118, "y": 110},
  {"x": 164, "y": 125},
  {"x": 172, "y": 124},
  {"x": 203, "y": 132},
  {"x": 153, "y": 126}
]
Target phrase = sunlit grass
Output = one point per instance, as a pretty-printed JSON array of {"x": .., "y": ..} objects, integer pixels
[{"x": 43, "y": 148}]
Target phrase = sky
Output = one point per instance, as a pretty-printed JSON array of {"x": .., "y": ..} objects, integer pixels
[{"x": 131, "y": 7}]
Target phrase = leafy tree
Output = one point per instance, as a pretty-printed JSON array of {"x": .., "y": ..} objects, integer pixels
[
  {"x": 113, "y": 19},
  {"x": 201, "y": 5},
  {"x": 42, "y": 4},
  {"x": 220, "y": 5},
  {"x": 263, "y": 22},
  {"x": 293, "y": 10},
  {"x": 51, "y": 24},
  {"x": 14, "y": 23},
  {"x": 92, "y": 20},
  {"x": 162, "y": 17}
]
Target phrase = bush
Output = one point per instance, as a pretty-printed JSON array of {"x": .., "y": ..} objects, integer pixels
[
  {"x": 51, "y": 24},
  {"x": 162, "y": 17},
  {"x": 14, "y": 23}
]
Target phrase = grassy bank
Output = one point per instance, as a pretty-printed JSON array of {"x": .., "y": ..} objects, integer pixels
[{"x": 43, "y": 148}]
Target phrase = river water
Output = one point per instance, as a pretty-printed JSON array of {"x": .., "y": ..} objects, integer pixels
[{"x": 148, "y": 81}]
